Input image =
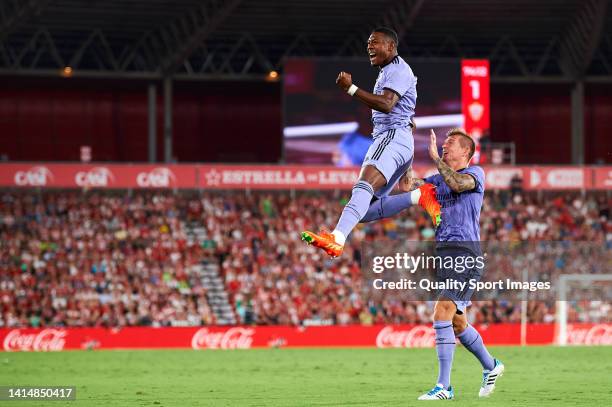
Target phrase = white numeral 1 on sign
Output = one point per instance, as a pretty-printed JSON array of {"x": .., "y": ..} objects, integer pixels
[{"x": 475, "y": 85}]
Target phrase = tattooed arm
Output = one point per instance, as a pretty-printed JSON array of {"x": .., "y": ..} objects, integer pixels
[
  {"x": 407, "y": 183},
  {"x": 456, "y": 182}
]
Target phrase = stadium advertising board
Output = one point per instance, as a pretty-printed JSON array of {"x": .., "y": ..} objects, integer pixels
[
  {"x": 97, "y": 176},
  {"x": 46, "y": 175},
  {"x": 242, "y": 337}
]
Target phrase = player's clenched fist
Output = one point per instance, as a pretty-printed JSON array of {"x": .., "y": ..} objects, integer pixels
[{"x": 344, "y": 80}]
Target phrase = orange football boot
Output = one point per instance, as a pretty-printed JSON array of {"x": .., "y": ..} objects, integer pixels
[
  {"x": 323, "y": 240},
  {"x": 429, "y": 202}
]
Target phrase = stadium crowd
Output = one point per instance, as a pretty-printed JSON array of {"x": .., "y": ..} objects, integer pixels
[{"x": 72, "y": 258}]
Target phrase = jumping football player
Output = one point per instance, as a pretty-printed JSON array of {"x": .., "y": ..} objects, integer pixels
[
  {"x": 390, "y": 155},
  {"x": 460, "y": 191}
]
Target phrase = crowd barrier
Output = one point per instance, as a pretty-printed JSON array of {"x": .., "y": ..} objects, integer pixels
[{"x": 246, "y": 337}]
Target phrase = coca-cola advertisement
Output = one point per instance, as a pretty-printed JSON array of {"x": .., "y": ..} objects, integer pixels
[
  {"x": 241, "y": 337},
  {"x": 28, "y": 340},
  {"x": 589, "y": 334},
  {"x": 417, "y": 337},
  {"x": 233, "y": 338}
]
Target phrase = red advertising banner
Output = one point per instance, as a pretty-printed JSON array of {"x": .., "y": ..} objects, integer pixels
[
  {"x": 277, "y": 177},
  {"x": 98, "y": 175},
  {"x": 475, "y": 98},
  {"x": 240, "y": 337},
  {"x": 267, "y": 177},
  {"x": 589, "y": 334},
  {"x": 552, "y": 178},
  {"x": 501, "y": 177},
  {"x": 602, "y": 178}
]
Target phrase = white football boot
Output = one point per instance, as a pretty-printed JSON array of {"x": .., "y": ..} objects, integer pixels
[
  {"x": 439, "y": 393},
  {"x": 489, "y": 377}
]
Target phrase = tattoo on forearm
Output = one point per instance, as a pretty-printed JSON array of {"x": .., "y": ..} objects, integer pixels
[
  {"x": 410, "y": 184},
  {"x": 457, "y": 182},
  {"x": 417, "y": 182}
]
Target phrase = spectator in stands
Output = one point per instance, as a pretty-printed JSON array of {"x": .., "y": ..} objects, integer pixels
[{"x": 69, "y": 258}]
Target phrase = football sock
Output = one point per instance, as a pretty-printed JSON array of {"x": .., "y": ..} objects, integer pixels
[
  {"x": 445, "y": 347},
  {"x": 339, "y": 237},
  {"x": 388, "y": 206},
  {"x": 471, "y": 339},
  {"x": 356, "y": 207}
]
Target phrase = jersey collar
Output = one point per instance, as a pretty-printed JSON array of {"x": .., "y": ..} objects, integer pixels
[{"x": 395, "y": 58}]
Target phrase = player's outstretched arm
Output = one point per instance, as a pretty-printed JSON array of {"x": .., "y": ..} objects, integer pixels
[
  {"x": 383, "y": 103},
  {"x": 455, "y": 181}
]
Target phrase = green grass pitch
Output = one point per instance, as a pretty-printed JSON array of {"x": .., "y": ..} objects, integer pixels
[{"x": 535, "y": 376}]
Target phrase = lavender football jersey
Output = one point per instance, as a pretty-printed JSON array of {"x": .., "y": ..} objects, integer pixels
[
  {"x": 396, "y": 76},
  {"x": 460, "y": 211}
]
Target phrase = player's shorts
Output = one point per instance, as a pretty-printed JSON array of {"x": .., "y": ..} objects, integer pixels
[
  {"x": 461, "y": 273},
  {"x": 391, "y": 153}
]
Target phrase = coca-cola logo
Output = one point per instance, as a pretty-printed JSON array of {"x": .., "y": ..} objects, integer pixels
[
  {"x": 37, "y": 176},
  {"x": 599, "y": 334},
  {"x": 156, "y": 178},
  {"x": 418, "y": 337},
  {"x": 233, "y": 338},
  {"x": 96, "y": 177},
  {"x": 45, "y": 340}
]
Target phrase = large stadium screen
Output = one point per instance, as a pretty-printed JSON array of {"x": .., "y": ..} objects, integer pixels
[{"x": 323, "y": 125}]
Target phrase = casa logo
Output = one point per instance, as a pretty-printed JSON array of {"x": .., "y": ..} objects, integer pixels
[
  {"x": 418, "y": 337},
  {"x": 233, "y": 338},
  {"x": 156, "y": 178},
  {"x": 45, "y": 340},
  {"x": 96, "y": 177},
  {"x": 599, "y": 334},
  {"x": 38, "y": 176}
]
